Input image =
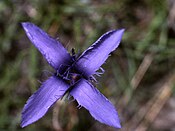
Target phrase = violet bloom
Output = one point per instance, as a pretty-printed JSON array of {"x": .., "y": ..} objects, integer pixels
[{"x": 73, "y": 75}]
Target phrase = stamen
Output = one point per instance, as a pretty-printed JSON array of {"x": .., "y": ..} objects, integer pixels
[{"x": 93, "y": 78}]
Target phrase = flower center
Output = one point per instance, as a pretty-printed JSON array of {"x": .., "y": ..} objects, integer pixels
[{"x": 68, "y": 72}]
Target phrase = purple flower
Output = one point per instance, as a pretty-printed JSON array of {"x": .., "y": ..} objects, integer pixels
[{"x": 73, "y": 75}]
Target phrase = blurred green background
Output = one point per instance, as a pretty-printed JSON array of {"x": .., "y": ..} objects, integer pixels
[{"x": 139, "y": 76}]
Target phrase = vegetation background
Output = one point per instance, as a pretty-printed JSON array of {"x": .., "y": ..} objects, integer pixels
[{"x": 139, "y": 77}]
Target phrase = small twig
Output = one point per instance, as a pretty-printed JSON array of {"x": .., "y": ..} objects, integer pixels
[
  {"x": 137, "y": 78},
  {"x": 55, "y": 122},
  {"x": 141, "y": 70}
]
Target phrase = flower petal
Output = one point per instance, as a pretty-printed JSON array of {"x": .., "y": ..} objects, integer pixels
[
  {"x": 97, "y": 104},
  {"x": 38, "y": 104},
  {"x": 92, "y": 58},
  {"x": 51, "y": 49}
]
